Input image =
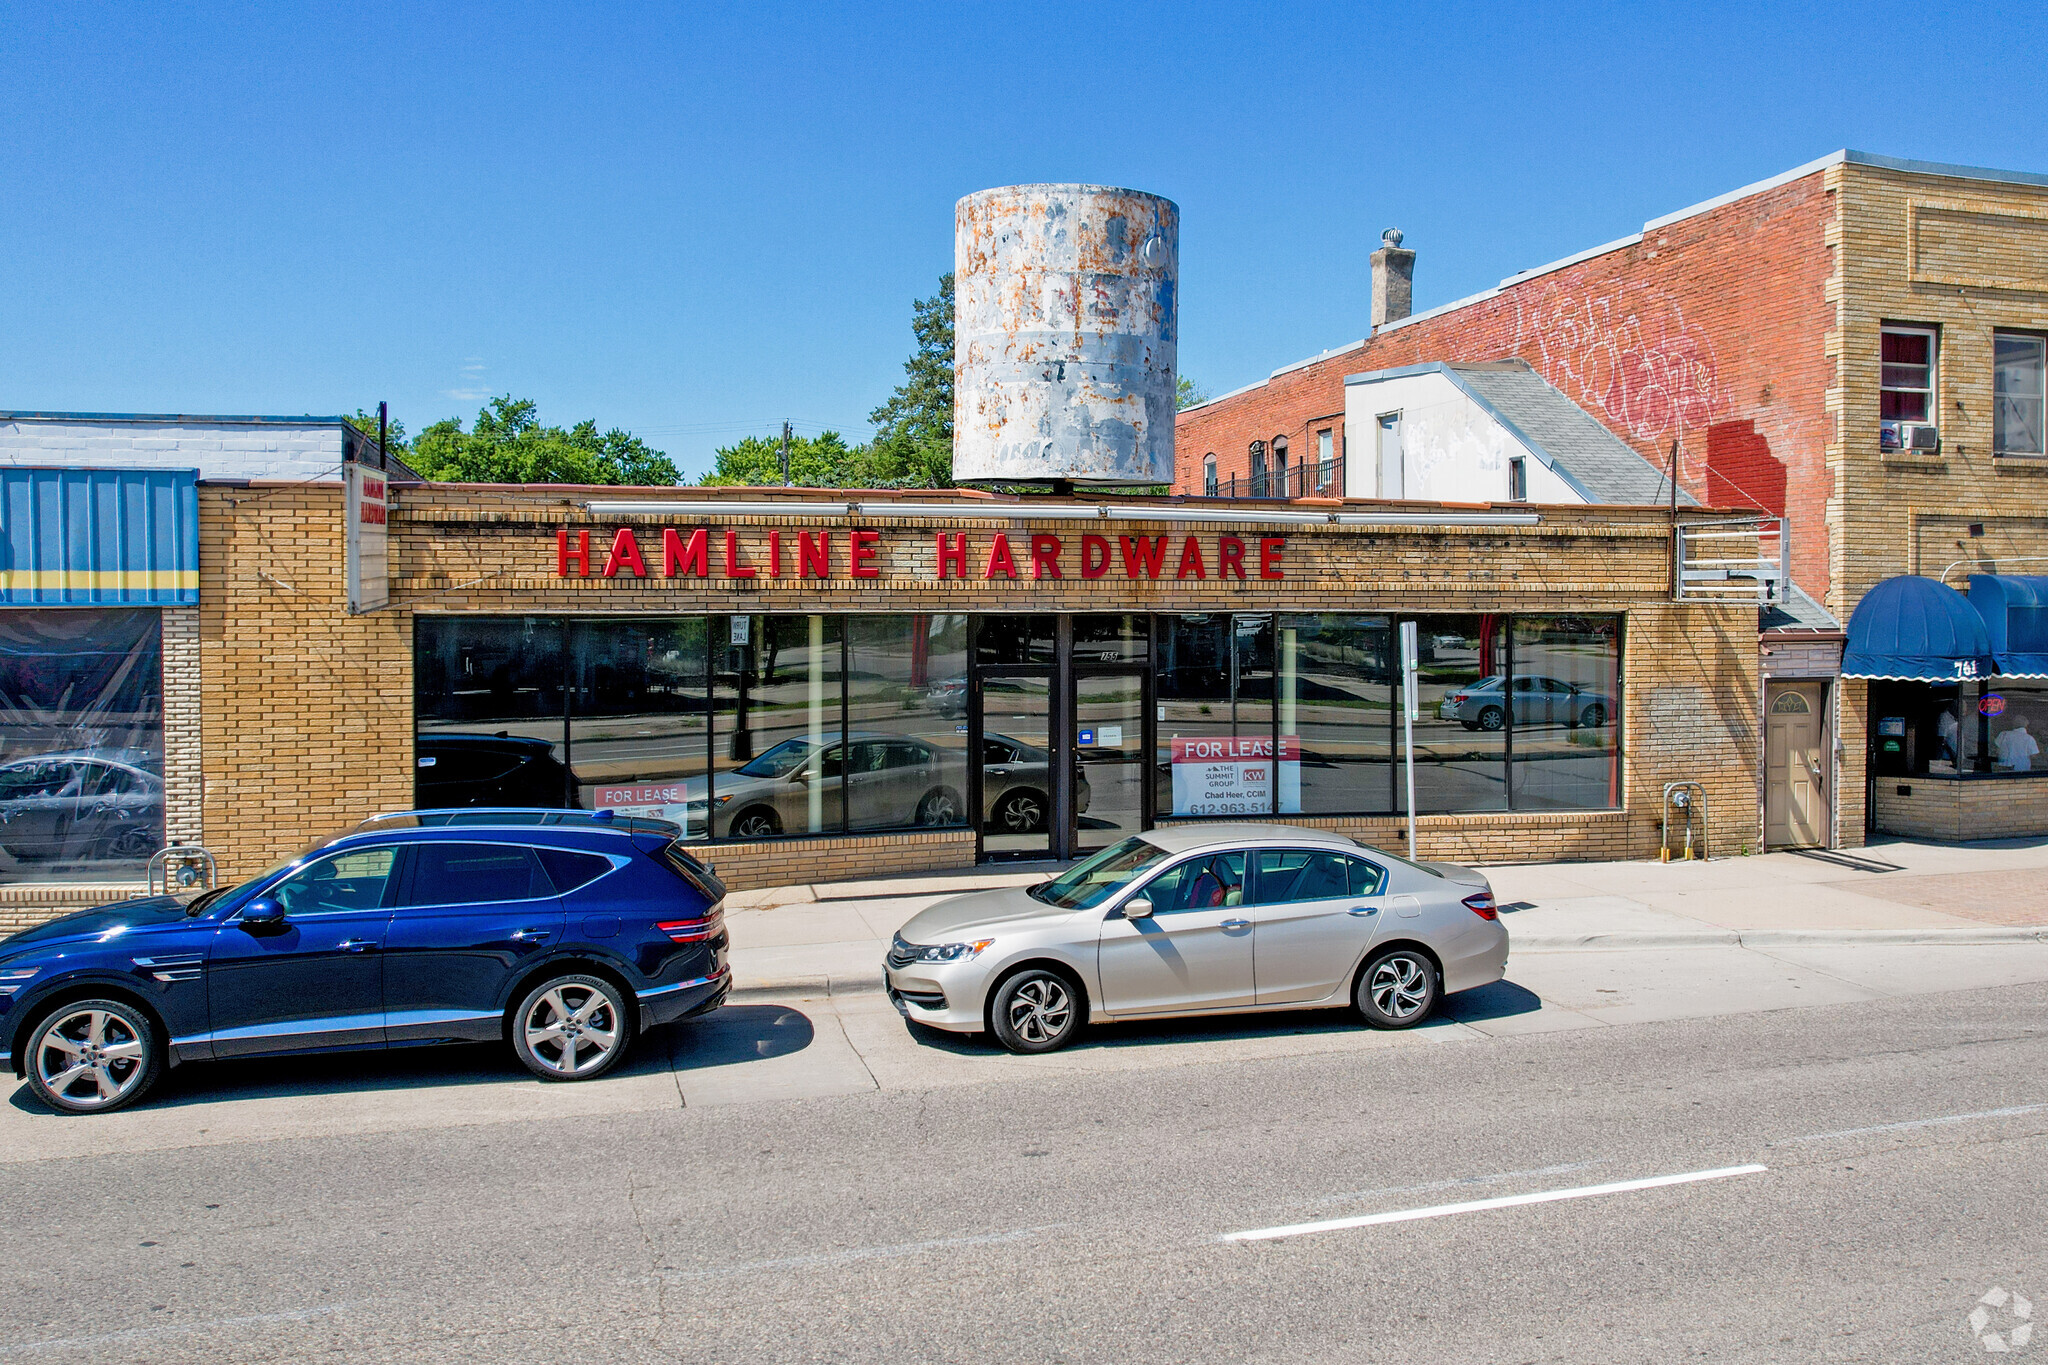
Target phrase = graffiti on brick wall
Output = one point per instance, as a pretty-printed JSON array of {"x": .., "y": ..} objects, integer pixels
[{"x": 1631, "y": 355}]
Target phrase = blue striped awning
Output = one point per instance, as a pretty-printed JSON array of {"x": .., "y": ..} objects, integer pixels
[
  {"x": 1913, "y": 629},
  {"x": 99, "y": 537},
  {"x": 2015, "y": 612}
]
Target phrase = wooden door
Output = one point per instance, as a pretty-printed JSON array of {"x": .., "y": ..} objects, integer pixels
[{"x": 1795, "y": 766}]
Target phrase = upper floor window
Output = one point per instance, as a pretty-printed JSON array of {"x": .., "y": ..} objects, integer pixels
[
  {"x": 2019, "y": 394},
  {"x": 1907, "y": 379},
  {"x": 1518, "y": 480},
  {"x": 1259, "y": 461},
  {"x": 1209, "y": 476},
  {"x": 1279, "y": 467},
  {"x": 1326, "y": 444}
]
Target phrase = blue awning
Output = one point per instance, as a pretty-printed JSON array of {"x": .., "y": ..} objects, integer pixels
[
  {"x": 2015, "y": 612},
  {"x": 1913, "y": 629},
  {"x": 99, "y": 537}
]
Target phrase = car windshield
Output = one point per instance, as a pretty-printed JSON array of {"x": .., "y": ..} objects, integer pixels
[
  {"x": 208, "y": 899},
  {"x": 1100, "y": 877},
  {"x": 780, "y": 761}
]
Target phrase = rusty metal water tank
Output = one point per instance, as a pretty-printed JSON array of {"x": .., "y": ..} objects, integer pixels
[{"x": 1066, "y": 303}]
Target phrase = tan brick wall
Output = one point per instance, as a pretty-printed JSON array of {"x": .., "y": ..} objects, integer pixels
[
  {"x": 1984, "y": 808},
  {"x": 1900, "y": 513},
  {"x": 792, "y": 862},
  {"x": 184, "y": 782},
  {"x": 305, "y": 711}
]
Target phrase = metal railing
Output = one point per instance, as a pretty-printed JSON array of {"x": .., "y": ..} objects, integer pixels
[
  {"x": 1737, "y": 559},
  {"x": 1315, "y": 479}
]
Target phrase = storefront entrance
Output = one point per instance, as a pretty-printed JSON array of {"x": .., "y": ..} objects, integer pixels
[{"x": 1795, "y": 766}]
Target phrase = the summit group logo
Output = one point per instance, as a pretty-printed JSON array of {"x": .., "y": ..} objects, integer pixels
[{"x": 2002, "y": 1320}]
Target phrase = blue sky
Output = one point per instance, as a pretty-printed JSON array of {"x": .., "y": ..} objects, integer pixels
[{"x": 694, "y": 222}]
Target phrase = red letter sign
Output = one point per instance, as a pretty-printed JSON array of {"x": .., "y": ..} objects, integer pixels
[
  {"x": 1045, "y": 557},
  {"x": 1150, "y": 551},
  {"x": 677, "y": 557},
  {"x": 733, "y": 567},
  {"x": 775, "y": 554},
  {"x": 814, "y": 561},
  {"x": 1269, "y": 556},
  {"x": 999, "y": 557},
  {"x": 1229, "y": 557},
  {"x": 564, "y": 555},
  {"x": 1191, "y": 558},
  {"x": 864, "y": 546},
  {"x": 625, "y": 555},
  {"x": 1094, "y": 556},
  {"x": 954, "y": 554}
]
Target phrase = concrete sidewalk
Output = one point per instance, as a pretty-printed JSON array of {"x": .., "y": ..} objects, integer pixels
[{"x": 831, "y": 936}]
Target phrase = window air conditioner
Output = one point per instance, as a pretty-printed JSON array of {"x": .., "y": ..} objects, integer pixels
[{"x": 1908, "y": 436}]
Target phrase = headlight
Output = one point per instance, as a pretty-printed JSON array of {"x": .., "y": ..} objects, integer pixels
[
  {"x": 950, "y": 952},
  {"x": 12, "y": 978}
]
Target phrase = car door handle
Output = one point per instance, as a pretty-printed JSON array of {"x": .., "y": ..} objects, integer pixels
[
  {"x": 1237, "y": 924},
  {"x": 1364, "y": 910},
  {"x": 530, "y": 935},
  {"x": 356, "y": 945}
]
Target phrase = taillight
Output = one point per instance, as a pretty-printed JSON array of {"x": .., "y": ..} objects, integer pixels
[
  {"x": 694, "y": 930},
  {"x": 1482, "y": 905}
]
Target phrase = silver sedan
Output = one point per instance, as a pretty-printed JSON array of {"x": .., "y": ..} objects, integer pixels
[{"x": 1201, "y": 919}]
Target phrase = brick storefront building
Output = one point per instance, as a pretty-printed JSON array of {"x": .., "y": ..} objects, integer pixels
[{"x": 1747, "y": 331}]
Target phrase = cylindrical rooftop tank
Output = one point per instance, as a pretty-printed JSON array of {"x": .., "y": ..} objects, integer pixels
[{"x": 1066, "y": 301}]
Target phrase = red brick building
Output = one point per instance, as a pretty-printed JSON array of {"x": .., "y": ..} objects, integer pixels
[{"x": 1706, "y": 330}]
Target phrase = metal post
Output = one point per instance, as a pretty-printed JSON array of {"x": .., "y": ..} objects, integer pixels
[
  {"x": 383, "y": 435},
  {"x": 1408, "y": 668},
  {"x": 785, "y": 454}
]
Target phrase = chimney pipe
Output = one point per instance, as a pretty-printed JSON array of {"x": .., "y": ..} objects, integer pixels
[{"x": 1393, "y": 280}]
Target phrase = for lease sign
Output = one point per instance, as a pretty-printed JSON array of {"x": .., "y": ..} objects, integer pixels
[{"x": 1235, "y": 775}]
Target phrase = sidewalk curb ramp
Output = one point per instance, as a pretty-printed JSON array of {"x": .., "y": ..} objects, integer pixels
[{"x": 861, "y": 983}]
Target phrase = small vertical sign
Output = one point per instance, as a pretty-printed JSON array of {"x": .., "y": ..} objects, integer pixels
[
  {"x": 1410, "y": 657},
  {"x": 366, "y": 506}
]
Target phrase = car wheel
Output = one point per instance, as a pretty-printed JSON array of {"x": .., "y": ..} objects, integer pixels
[
  {"x": 1593, "y": 717},
  {"x": 1397, "y": 989},
  {"x": 133, "y": 844},
  {"x": 91, "y": 1056},
  {"x": 1491, "y": 717},
  {"x": 1021, "y": 813},
  {"x": 572, "y": 1028},
  {"x": 1036, "y": 1011},
  {"x": 939, "y": 807},
  {"x": 758, "y": 823},
  {"x": 1469, "y": 725}
]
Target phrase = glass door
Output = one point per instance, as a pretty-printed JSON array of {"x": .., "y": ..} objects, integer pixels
[
  {"x": 1108, "y": 727},
  {"x": 1013, "y": 727}
]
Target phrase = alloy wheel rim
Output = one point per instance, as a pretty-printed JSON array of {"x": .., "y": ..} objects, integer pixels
[
  {"x": 1399, "y": 986},
  {"x": 572, "y": 1029},
  {"x": 1040, "y": 1010},
  {"x": 755, "y": 827},
  {"x": 938, "y": 809},
  {"x": 1021, "y": 814},
  {"x": 93, "y": 1048}
]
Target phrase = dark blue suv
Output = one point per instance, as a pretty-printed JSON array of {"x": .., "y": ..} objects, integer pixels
[{"x": 562, "y": 932}]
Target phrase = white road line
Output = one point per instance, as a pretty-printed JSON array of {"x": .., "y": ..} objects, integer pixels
[
  {"x": 2013, "y": 1112},
  {"x": 178, "y": 1329},
  {"x": 1481, "y": 1205}
]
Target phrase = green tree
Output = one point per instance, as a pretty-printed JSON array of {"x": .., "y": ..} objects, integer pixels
[
  {"x": 508, "y": 444},
  {"x": 913, "y": 443},
  {"x": 822, "y": 461},
  {"x": 1187, "y": 393},
  {"x": 366, "y": 423}
]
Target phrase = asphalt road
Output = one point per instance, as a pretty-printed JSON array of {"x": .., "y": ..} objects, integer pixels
[{"x": 1031, "y": 1214}]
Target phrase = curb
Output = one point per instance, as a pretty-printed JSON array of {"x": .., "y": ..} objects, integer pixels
[{"x": 872, "y": 983}]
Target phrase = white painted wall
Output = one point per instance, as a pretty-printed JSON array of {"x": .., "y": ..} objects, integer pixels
[
  {"x": 218, "y": 450},
  {"x": 1451, "y": 448}
]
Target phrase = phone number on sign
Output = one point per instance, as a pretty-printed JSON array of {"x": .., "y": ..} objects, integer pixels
[{"x": 1226, "y": 808}]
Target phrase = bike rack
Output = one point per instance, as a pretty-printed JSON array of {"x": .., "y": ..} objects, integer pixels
[
  {"x": 1683, "y": 796},
  {"x": 194, "y": 865}
]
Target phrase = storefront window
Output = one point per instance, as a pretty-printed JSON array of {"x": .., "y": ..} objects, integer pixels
[
  {"x": 1113, "y": 639},
  {"x": 906, "y": 705},
  {"x": 1336, "y": 711},
  {"x": 81, "y": 744},
  {"x": 1461, "y": 734},
  {"x": 1215, "y": 697},
  {"x": 639, "y": 723},
  {"x": 490, "y": 711},
  {"x": 1018, "y": 639},
  {"x": 778, "y": 761},
  {"x": 2009, "y": 728},
  {"x": 1567, "y": 716}
]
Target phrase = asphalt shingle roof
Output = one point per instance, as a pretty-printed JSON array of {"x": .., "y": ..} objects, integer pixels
[{"x": 1604, "y": 465}]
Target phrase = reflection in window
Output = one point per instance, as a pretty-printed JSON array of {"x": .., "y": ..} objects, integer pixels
[
  {"x": 2019, "y": 394},
  {"x": 639, "y": 725},
  {"x": 1567, "y": 713},
  {"x": 906, "y": 690},
  {"x": 1461, "y": 733},
  {"x": 489, "y": 707},
  {"x": 1018, "y": 639},
  {"x": 1336, "y": 712},
  {"x": 1215, "y": 697},
  {"x": 776, "y": 755},
  {"x": 81, "y": 792}
]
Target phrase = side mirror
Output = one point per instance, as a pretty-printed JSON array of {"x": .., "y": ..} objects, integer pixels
[
  {"x": 263, "y": 910},
  {"x": 1138, "y": 908}
]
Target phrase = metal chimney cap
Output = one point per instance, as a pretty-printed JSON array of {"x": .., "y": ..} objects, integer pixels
[{"x": 1391, "y": 237}]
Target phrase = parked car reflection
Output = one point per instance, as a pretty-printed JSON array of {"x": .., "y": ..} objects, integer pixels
[
  {"x": 463, "y": 769},
  {"x": 80, "y": 807},
  {"x": 1478, "y": 706}
]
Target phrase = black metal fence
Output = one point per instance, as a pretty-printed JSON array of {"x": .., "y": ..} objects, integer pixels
[{"x": 1313, "y": 479}]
